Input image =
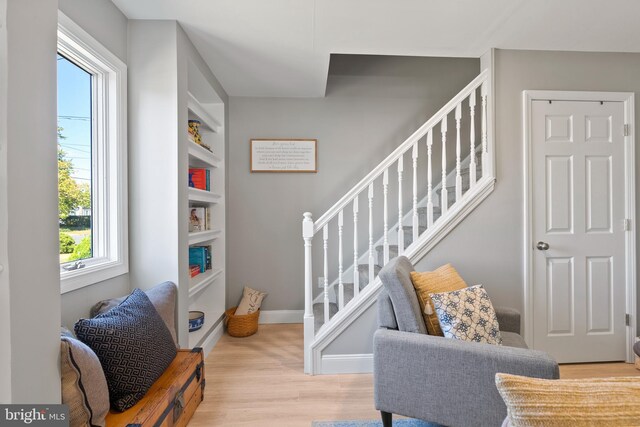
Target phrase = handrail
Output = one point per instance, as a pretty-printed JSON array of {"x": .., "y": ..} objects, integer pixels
[{"x": 399, "y": 151}]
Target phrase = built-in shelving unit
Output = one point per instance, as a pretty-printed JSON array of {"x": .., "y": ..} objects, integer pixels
[
  {"x": 161, "y": 152},
  {"x": 207, "y": 289}
]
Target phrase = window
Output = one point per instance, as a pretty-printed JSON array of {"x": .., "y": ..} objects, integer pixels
[{"x": 91, "y": 159}]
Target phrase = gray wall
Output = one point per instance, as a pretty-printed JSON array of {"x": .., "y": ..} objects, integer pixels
[
  {"x": 102, "y": 19},
  {"x": 104, "y": 22},
  {"x": 5, "y": 306},
  {"x": 498, "y": 223},
  {"x": 29, "y": 283},
  {"x": 372, "y": 105}
]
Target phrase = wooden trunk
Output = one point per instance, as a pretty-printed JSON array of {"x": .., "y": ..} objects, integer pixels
[{"x": 172, "y": 399}]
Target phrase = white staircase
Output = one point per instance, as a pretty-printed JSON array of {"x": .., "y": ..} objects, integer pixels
[{"x": 442, "y": 194}]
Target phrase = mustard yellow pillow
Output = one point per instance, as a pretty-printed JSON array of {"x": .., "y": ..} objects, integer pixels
[
  {"x": 443, "y": 279},
  {"x": 585, "y": 402}
]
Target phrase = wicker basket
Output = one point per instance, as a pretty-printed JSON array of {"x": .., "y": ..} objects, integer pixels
[{"x": 241, "y": 325}]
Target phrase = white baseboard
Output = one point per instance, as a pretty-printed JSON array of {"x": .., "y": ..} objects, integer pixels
[
  {"x": 212, "y": 339},
  {"x": 281, "y": 316},
  {"x": 347, "y": 364}
]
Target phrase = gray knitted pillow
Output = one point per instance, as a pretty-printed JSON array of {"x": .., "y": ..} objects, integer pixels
[
  {"x": 134, "y": 347},
  {"x": 84, "y": 387}
]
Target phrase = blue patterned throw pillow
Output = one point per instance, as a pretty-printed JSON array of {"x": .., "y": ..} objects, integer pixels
[
  {"x": 468, "y": 315},
  {"x": 133, "y": 345}
]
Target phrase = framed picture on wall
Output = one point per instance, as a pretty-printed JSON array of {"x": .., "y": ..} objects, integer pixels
[{"x": 284, "y": 155}]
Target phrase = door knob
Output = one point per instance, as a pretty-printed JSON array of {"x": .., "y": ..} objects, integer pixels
[{"x": 542, "y": 246}]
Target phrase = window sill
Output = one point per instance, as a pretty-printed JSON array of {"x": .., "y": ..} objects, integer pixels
[{"x": 90, "y": 275}]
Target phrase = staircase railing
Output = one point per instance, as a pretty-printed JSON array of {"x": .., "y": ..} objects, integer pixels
[{"x": 462, "y": 108}]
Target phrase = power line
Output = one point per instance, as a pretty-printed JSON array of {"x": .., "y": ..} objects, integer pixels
[{"x": 83, "y": 118}]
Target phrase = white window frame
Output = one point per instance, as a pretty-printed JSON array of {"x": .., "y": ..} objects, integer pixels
[{"x": 109, "y": 157}]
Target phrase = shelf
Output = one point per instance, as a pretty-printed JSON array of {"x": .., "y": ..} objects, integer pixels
[
  {"x": 210, "y": 320},
  {"x": 203, "y": 236},
  {"x": 202, "y": 280},
  {"x": 200, "y": 157},
  {"x": 204, "y": 196},
  {"x": 207, "y": 122}
]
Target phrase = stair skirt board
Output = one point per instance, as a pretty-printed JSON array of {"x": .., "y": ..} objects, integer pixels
[
  {"x": 281, "y": 316},
  {"x": 346, "y": 364}
]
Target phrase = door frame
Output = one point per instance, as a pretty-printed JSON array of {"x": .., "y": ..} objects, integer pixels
[{"x": 627, "y": 98}]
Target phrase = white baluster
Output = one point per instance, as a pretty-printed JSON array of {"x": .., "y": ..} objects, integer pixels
[
  {"x": 443, "y": 185},
  {"x": 371, "y": 258},
  {"x": 415, "y": 222},
  {"x": 472, "y": 139},
  {"x": 356, "y": 273},
  {"x": 400, "y": 230},
  {"x": 309, "y": 324},
  {"x": 385, "y": 191},
  {"x": 325, "y": 238},
  {"x": 485, "y": 153},
  {"x": 458, "y": 172},
  {"x": 340, "y": 284},
  {"x": 429, "y": 181}
]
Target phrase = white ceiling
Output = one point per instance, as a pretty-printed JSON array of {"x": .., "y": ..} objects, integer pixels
[{"x": 282, "y": 47}]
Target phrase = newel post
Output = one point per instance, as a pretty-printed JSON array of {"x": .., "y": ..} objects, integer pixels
[{"x": 307, "y": 235}]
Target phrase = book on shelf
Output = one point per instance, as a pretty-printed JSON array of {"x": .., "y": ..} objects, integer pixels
[
  {"x": 194, "y": 270},
  {"x": 208, "y": 253},
  {"x": 198, "y": 256},
  {"x": 199, "y": 219},
  {"x": 200, "y": 178}
]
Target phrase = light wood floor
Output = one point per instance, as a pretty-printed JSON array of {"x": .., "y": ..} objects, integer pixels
[{"x": 258, "y": 381}]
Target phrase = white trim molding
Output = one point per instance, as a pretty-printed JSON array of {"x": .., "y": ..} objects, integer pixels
[
  {"x": 627, "y": 98},
  {"x": 281, "y": 316},
  {"x": 109, "y": 163},
  {"x": 346, "y": 364}
]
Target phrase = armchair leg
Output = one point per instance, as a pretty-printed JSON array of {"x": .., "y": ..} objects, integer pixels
[{"x": 386, "y": 419}]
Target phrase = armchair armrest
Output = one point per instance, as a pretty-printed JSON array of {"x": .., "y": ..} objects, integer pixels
[
  {"x": 448, "y": 381},
  {"x": 508, "y": 319}
]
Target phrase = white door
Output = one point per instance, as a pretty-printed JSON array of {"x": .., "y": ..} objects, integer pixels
[{"x": 577, "y": 214}]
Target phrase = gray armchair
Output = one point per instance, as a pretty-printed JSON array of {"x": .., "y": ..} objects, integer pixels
[{"x": 441, "y": 380}]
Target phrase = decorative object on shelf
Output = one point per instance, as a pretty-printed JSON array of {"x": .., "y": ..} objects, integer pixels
[
  {"x": 194, "y": 131},
  {"x": 194, "y": 134},
  {"x": 284, "y": 155},
  {"x": 251, "y": 301},
  {"x": 242, "y": 325},
  {"x": 196, "y": 320}
]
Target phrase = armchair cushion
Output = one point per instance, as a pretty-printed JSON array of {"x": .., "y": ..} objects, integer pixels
[
  {"x": 395, "y": 277},
  {"x": 423, "y": 376}
]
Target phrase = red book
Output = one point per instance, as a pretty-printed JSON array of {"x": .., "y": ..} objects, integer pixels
[
  {"x": 198, "y": 178},
  {"x": 194, "y": 270}
]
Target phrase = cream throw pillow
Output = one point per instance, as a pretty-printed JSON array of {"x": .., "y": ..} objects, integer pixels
[
  {"x": 251, "y": 301},
  {"x": 443, "y": 279},
  {"x": 576, "y": 403}
]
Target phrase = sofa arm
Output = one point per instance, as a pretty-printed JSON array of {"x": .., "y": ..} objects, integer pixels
[
  {"x": 448, "y": 381},
  {"x": 508, "y": 319}
]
